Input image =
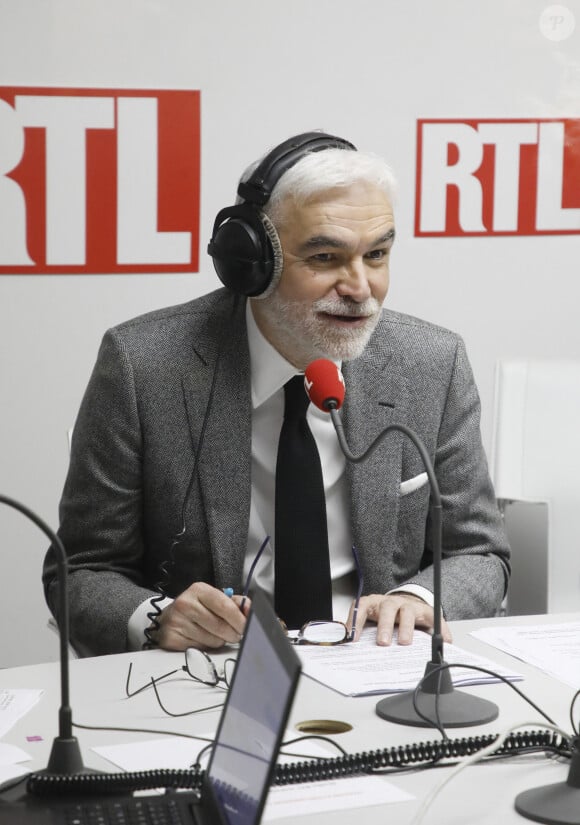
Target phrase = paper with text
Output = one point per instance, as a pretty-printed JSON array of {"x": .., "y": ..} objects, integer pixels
[
  {"x": 14, "y": 704},
  {"x": 554, "y": 648},
  {"x": 308, "y": 798},
  {"x": 365, "y": 668}
]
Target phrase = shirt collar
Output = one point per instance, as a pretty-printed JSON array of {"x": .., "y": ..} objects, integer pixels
[{"x": 269, "y": 369}]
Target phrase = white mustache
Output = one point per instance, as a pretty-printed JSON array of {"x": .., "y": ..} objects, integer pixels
[{"x": 347, "y": 307}]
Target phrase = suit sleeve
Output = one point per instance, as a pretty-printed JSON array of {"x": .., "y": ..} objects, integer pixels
[
  {"x": 475, "y": 566},
  {"x": 101, "y": 510}
]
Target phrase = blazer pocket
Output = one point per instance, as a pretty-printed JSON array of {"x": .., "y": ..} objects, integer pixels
[{"x": 412, "y": 484}]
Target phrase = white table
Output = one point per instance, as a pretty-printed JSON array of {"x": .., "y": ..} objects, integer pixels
[{"x": 480, "y": 795}]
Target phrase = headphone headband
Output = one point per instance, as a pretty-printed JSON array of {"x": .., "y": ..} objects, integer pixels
[
  {"x": 245, "y": 247},
  {"x": 259, "y": 186}
]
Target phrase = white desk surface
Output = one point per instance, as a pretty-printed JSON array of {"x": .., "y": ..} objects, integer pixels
[{"x": 480, "y": 795}]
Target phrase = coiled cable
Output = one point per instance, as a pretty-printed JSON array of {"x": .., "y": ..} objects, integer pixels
[{"x": 401, "y": 757}]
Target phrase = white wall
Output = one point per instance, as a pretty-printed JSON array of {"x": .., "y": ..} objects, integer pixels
[{"x": 366, "y": 71}]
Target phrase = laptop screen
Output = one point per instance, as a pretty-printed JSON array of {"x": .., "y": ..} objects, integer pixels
[{"x": 254, "y": 718}]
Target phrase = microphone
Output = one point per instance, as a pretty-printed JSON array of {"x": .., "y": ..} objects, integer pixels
[
  {"x": 436, "y": 702},
  {"x": 65, "y": 756},
  {"x": 324, "y": 384}
]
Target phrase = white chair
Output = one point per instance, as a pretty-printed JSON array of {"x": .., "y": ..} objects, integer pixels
[{"x": 535, "y": 462}]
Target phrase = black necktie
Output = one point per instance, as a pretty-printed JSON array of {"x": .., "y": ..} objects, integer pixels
[{"x": 303, "y": 589}]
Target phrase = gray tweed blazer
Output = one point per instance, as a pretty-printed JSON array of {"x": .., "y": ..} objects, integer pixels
[{"x": 131, "y": 488}]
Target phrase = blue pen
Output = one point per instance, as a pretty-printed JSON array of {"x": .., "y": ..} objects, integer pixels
[{"x": 229, "y": 591}]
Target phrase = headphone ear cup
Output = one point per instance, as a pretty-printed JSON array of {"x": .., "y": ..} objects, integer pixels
[
  {"x": 242, "y": 252},
  {"x": 245, "y": 247}
]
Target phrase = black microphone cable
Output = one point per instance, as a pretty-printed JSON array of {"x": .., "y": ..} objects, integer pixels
[
  {"x": 446, "y": 666},
  {"x": 166, "y": 566}
]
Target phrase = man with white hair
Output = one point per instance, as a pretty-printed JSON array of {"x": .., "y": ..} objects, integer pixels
[{"x": 175, "y": 475}]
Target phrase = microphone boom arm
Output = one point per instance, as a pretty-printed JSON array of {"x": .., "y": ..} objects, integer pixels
[
  {"x": 434, "y": 701},
  {"x": 65, "y": 757},
  {"x": 436, "y": 509}
]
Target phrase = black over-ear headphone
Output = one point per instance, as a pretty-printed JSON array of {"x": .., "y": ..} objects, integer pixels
[{"x": 244, "y": 245}]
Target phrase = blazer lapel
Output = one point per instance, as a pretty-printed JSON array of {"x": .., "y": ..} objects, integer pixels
[
  {"x": 225, "y": 460},
  {"x": 376, "y": 396}
]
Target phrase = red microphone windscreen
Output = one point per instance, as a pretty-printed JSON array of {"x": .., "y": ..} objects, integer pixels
[{"x": 323, "y": 382}]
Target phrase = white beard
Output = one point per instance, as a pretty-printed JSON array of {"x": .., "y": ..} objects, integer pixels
[{"x": 301, "y": 336}]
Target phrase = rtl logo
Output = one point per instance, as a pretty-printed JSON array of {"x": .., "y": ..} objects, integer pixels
[
  {"x": 498, "y": 177},
  {"x": 99, "y": 180}
]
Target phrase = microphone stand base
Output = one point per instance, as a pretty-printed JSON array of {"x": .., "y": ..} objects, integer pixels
[
  {"x": 449, "y": 710},
  {"x": 437, "y": 701},
  {"x": 65, "y": 758},
  {"x": 557, "y": 804}
]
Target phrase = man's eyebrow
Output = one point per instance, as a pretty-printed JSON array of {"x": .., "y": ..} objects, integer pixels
[
  {"x": 327, "y": 241},
  {"x": 319, "y": 241},
  {"x": 388, "y": 237}
]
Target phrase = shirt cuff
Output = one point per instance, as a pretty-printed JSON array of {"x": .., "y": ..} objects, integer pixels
[
  {"x": 139, "y": 622},
  {"x": 415, "y": 590}
]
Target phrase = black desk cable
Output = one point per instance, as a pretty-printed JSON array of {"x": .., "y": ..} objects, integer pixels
[{"x": 416, "y": 756}]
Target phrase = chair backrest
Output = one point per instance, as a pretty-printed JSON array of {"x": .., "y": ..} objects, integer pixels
[{"x": 536, "y": 457}]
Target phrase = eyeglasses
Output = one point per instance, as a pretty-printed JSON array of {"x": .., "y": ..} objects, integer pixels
[
  {"x": 199, "y": 666},
  {"x": 317, "y": 631},
  {"x": 320, "y": 632}
]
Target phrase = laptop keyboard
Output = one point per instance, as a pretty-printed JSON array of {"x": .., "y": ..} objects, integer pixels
[{"x": 133, "y": 811}]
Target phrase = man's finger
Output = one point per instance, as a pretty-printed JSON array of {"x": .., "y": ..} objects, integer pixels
[
  {"x": 386, "y": 621},
  {"x": 446, "y": 632},
  {"x": 201, "y": 616},
  {"x": 218, "y": 612},
  {"x": 406, "y": 619}
]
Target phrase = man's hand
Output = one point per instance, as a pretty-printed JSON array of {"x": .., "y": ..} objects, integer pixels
[
  {"x": 402, "y": 609},
  {"x": 203, "y": 617}
]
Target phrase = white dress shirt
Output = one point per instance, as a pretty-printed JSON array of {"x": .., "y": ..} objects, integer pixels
[{"x": 269, "y": 372}]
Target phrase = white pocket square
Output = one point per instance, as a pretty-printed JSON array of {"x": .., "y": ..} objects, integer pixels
[{"x": 412, "y": 484}]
